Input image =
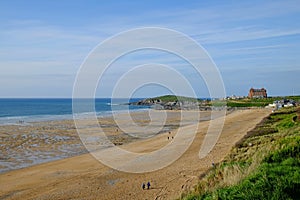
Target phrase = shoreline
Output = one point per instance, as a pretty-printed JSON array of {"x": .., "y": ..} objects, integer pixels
[
  {"x": 47, "y": 141},
  {"x": 31, "y": 119}
]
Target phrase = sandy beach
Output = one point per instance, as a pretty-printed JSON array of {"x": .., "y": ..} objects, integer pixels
[{"x": 80, "y": 176}]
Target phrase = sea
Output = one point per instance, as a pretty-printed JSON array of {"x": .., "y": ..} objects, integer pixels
[{"x": 26, "y": 110}]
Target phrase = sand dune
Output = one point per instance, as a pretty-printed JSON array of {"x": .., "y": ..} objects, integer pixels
[{"x": 83, "y": 177}]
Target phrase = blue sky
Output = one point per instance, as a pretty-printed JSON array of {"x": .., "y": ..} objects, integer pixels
[{"x": 253, "y": 43}]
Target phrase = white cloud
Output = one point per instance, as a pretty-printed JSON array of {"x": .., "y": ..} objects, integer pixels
[{"x": 30, "y": 46}]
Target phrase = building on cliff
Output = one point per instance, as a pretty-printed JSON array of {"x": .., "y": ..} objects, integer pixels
[{"x": 257, "y": 93}]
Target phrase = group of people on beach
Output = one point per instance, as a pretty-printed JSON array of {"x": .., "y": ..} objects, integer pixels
[
  {"x": 170, "y": 137},
  {"x": 148, "y": 185}
]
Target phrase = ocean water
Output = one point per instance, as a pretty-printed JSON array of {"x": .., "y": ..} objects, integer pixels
[{"x": 22, "y": 111}]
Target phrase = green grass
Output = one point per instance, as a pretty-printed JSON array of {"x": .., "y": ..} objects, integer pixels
[
  {"x": 246, "y": 102},
  {"x": 259, "y": 102},
  {"x": 173, "y": 98},
  {"x": 269, "y": 168}
]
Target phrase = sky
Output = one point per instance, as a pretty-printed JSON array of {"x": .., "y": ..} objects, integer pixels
[{"x": 252, "y": 43}]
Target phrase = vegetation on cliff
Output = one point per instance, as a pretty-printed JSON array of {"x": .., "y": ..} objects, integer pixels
[
  {"x": 265, "y": 164},
  {"x": 181, "y": 102}
]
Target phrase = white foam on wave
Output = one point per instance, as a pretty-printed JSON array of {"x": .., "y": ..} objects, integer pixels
[{"x": 26, "y": 120}]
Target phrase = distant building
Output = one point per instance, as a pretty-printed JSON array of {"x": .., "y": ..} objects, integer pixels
[{"x": 257, "y": 93}]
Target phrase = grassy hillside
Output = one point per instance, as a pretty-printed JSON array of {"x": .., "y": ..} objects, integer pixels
[
  {"x": 258, "y": 102},
  {"x": 264, "y": 165},
  {"x": 173, "y": 98},
  {"x": 230, "y": 103}
]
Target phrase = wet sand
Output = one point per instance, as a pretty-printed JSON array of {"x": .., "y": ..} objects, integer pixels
[
  {"x": 27, "y": 144},
  {"x": 83, "y": 177}
]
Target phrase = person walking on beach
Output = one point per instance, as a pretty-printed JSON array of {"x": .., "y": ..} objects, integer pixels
[
  {"x": 148, "y": 185},
  {"x": 143, "y": 186},
  {"x": 213, "y": 165}
]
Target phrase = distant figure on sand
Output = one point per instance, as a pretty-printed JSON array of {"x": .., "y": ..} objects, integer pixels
[
  {"x": 143, "y": 186},
  {"x": 168, "y": 137},
  {"x": 148, "y": 185}
]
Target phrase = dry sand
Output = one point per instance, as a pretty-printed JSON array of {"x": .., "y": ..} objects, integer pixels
[{"x": 83, "y": 177}]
